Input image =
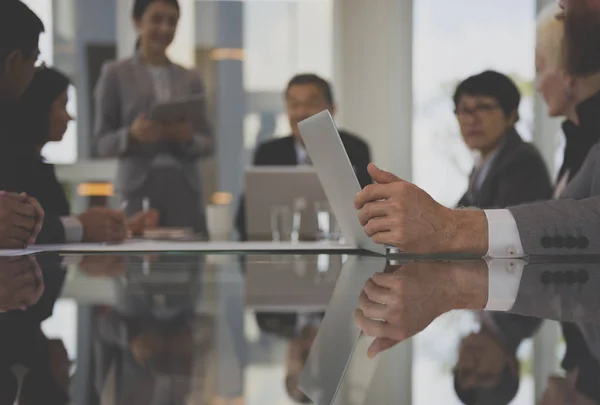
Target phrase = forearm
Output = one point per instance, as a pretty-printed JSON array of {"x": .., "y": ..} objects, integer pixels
[
  {"x": 114, "y": 143},
  {"x": 199, "y": 146}
]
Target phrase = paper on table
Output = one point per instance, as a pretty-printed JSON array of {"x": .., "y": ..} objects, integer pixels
[
  {"x": 328, "y": 156},
  {"x": 175, "y": 246}
]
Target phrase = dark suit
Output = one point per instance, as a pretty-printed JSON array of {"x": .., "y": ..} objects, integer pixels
[
  {"x": 282, "y": 152},
  {"x": 517, "y": 175},
  {"x": 23, "y": 170}
]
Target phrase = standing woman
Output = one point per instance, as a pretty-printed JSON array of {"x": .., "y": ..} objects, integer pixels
[{"x": 157, "y": 160}]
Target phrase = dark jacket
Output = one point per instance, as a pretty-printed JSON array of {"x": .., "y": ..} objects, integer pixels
[
  {"x": 517, "y": 175},
  {"x": 282, "y": 152},
  {"x": 23, "y": 170}
]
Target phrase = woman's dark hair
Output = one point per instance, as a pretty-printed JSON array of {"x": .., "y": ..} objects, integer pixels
[
  {"x": 140, "y": 7},
  {"x": 47, "y": 84},
  {"x": 491, "y": 84}
]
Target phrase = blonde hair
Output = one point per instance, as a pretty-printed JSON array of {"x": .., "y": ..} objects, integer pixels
[{"x": 550, "y": 36}]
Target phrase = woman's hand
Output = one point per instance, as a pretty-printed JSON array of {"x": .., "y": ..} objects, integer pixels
[
  {"x": 144, "y": 130},
  {"x": 141, "y": 221}
]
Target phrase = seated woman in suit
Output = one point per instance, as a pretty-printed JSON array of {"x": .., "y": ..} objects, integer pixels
[
  {"x": 508, "y": 171},
  {"x": 556, "y": 88},
  {"x": 45, "y": 120}
]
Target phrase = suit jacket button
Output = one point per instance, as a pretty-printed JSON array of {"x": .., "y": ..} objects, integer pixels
[
  {"x": 570, "y": 277},
  {"x": 582, "y": 276},
  {"x": 558, "y": 241},
  {"x": 570, "y": 242},
  {"x": 546, "y": 242},
  {"x": 546, "y": 277},
  {"x": 582, "y": 242}
]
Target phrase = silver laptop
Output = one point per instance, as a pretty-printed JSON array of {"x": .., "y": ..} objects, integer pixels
[{"x": 271, "y": 186}]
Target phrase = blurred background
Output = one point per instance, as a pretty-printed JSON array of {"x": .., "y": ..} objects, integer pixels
[{"x": 393, "y": 64}]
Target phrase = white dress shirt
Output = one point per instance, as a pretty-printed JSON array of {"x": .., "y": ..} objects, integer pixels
[
  {"x": 503, "y": 284},
  {"x": 73, "y": 229}
]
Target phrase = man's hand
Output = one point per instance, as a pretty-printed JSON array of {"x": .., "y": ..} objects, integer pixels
[
  {"x": 103, "y": 265},
  {"x": 21, "y": 283},
  {"x": 21, "y": 219},
  {"x": 178, "y": 131},
  {"x": 141, "y": 221},
  {"x": 144, "y": 130},
  {"x": 103, "y": 225},
  {"x": 396, "y": 306},
  {"x": 398, "y": 213}
]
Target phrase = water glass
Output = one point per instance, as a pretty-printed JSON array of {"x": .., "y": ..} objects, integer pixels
[
  {"x": 328, "y": 227},
  {"x": 281, "y": 223}
]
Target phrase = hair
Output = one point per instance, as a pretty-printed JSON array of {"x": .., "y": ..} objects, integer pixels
[
  {"x": 491, "y": 84},
  {"x": 501, "y": 394},
  {"x": 47, "y": 84},
  {"x": 311, "y": 78},
  {"x": 140, "y": 7},
  {"x": 20, "y": 29},
  {"x": 582, "y": 38},
  {"x": 550, "y": 36}
]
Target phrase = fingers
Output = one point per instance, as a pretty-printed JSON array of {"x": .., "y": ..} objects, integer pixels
[
  {"x": 22, "y": 208},
  {"x": 25, "y": 223},
  {"x": 378, "y": 294},
  {"x": 376, "y": 209},
  {"x": 375, "y": 328},
  {"x": 381, "y": 176},
  {"x": 116, "y": 216},
  {"x": 388, "y": 281},
  {"x": 20, "y": 236},
  {"x": 371, "y": 309},
  {"x": 378, "y": 225},
  {"x": 385, "y": 238},
  {"x": 371, "y": 193},
  {"x": 380, "y": 345}
]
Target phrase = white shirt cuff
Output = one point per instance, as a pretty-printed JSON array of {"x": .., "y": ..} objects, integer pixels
[
  {"x": 503, "y": 235},
  {"x": 504, "y": 280},
  {"x": 73, "y": 229}
]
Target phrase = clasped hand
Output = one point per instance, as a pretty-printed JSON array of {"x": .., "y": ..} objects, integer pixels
[{"x": 148, "y": 131}]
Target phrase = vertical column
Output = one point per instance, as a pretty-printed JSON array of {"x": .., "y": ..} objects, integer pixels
[
  {"x": 126, "y": 35},
  {"x": 231, "y": 106},
  {"x": 183, "y": 48},
  {"x": 373, "y": 77}
]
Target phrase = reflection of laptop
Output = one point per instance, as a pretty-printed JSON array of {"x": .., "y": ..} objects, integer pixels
[
  {"x": 280, "y": 185},
  {"x": 330, "y": 160}
]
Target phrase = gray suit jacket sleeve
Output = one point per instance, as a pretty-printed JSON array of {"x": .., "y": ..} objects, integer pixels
[
  {"x": 559, "y": 227},
  {"x": 202, "y": 143},
  {"x": 112, "y": 138}
]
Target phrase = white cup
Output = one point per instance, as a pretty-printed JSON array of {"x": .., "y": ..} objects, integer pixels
[{"x": 219, "y": 221}]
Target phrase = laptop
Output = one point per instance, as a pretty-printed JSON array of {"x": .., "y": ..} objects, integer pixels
[{"x": 269, "y": 186}]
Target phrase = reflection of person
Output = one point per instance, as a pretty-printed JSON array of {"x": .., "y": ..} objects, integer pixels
[
  {"x": 300, "y": 329},
  {"x": 395, "y": 212},
  {"x": 45, "y": 108},
  {"x": 306, "y": 95},
  {"x": 20, "y": 216},
  {"x": 157, "y": 160},
  {"x": 509, "y": 171}
]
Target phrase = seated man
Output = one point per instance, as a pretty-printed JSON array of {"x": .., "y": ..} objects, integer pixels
[
  {"x": 509, "y": 171},
  {"x": 20, "y": 215},
  {"x": 305, "y": 96}
]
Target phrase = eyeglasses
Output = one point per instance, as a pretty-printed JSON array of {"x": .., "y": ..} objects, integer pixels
[{"x": 478, "y": 110}]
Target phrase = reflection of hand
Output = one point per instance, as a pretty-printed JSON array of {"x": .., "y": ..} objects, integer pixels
[
  {"x": 21, "y": 282},
  {"x": 21, "y": 220},
  {"x": 143, "y": 220},
  {"x": 103, "y": 265},
  {"x": 561, "y": 390},
  {"x": 178, "y": 131},
  {"x": 397, "y": 213},
  {"x": 103, "y": 225},
  {"x": 144, "y": 130},
  {"x": 394, "y": 307}
]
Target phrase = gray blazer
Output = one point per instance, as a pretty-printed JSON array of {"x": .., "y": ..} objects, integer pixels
[
  {"x": 125, "y": 90},
  {"x": 567, "y": 226}
]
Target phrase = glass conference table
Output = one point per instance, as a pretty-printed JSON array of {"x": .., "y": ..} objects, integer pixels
[{"x": 258, "y": 328}]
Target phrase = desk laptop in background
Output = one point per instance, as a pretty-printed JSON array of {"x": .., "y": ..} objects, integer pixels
[
  {"x": 269, "y": 186},
  {"x": 330, "y": 160}
]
